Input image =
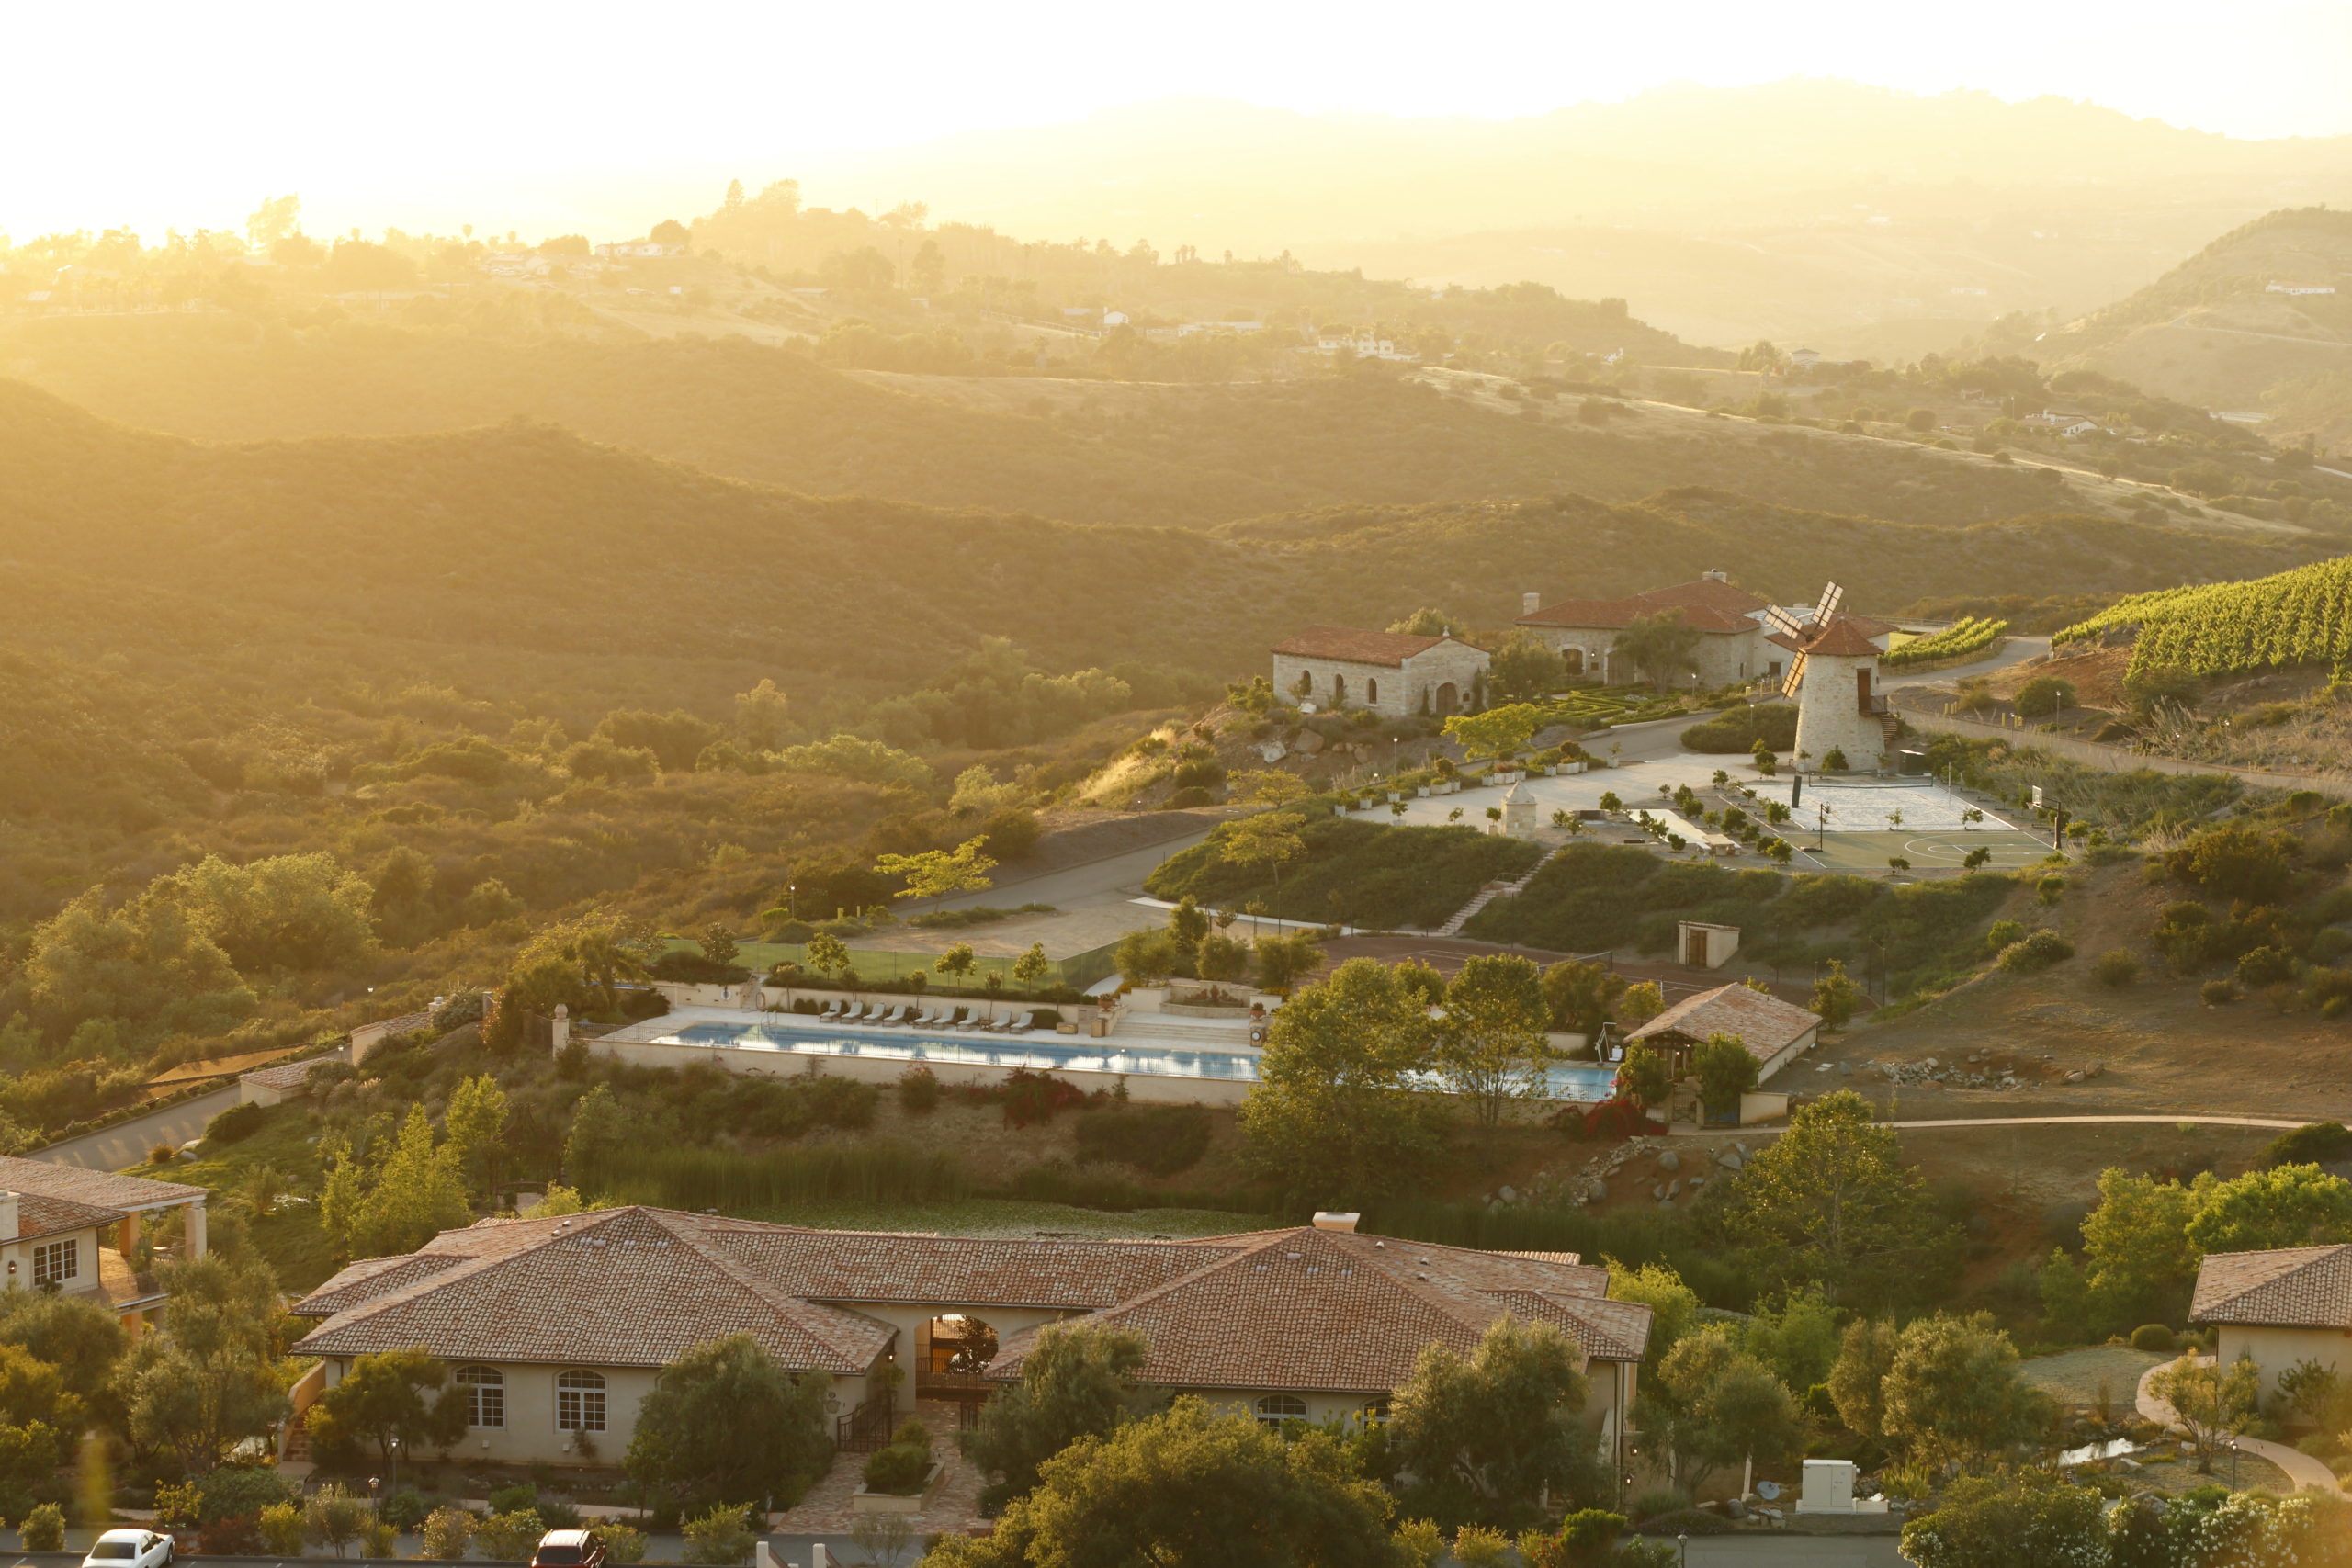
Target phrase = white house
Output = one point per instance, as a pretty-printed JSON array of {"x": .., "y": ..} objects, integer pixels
[
  {"x": 555, "y": 1328},
  {"x": 2301, "y": 288},
  {"x": 76, "y": 1232},
  {"x": 2278, "y": 1307},
  {"x": 1387, "y": 673},
  {"x": 1732, "y": 644}
]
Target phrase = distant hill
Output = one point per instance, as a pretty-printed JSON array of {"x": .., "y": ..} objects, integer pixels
[
  {"x": 1177, "y": 453},
  {"x": 2221, "y": 331},
  {"x": 523, "y": 559}
]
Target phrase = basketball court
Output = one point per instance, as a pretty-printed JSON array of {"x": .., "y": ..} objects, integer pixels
[{"x": 1860, "y": 823}]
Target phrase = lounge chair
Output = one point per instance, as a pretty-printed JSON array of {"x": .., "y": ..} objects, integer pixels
[
  {"x": 897, "y": 1015},
  {"x": 973, "y": 1018},
  {"x": 939, "y": 1018},
  {"x": 864, "y": 1013},
  {"x": 1002, "y": 1024},
  {"x": 1022, "y": 1024},
  {"x": 921, "y": 1019},
  {"x": 831, "y": 1010}
]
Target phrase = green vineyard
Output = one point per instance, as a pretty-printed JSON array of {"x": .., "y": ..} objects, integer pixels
[
  {"x": 2304, "y": 617},
  {"x": 1972, "y": 634}
]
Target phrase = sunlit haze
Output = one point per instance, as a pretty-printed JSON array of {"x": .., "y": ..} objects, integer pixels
[{"x": 605, "y": 118}]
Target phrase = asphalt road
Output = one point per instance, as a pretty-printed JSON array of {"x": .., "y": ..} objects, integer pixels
[
  {"x": 1075, "y": 887},
  {"x": 2016, "y": 650},
  {"x": 126, "y": 1145}
]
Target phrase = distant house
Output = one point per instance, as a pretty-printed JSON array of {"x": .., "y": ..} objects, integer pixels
[
  {"x": 2062, "y": 423},
  {"x": 1803, "y": 359},
  {"x": 1388, "y": 672},
  {"x": 1775, "y": 1032},
  {"x": 2278, "y": 1307},
  {"x": 2301, "y": 288},
  {"x": 1732, "y": 645},
  {"x": 76, "y": 1232},
  {"x": 639, "y": 248},
  {"x": 555, "y": 1328}
]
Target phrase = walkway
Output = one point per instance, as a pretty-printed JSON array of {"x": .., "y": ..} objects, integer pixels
[
  {"x": 2116, "y": 758},
  {"x": 952, "y": 1509},
  {"x": 1488, "y": 893},
  {"x": 1681, "y": 1131},
  {"x": 2301, "y": 1467}
]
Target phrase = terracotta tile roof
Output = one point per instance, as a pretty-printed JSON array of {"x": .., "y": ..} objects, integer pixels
[
  {"x": 285, "y": 1076},
  {"x": 367, "y": 1278},
  {"x": 47, "y": 1216},
  {"x": 1622, "y": 612},
  {"x": 837, "y": 1266},
  {"x": 1871, "y": 626},
  {"x": 1764, "y": 1023},
  {"x": 1783, "y": 640},
  {"x": 1349, "y": 1313},
  {"x": 97, "y": 1188},
  {"x": 2293, "y": 1287},
  {"x": 1352, "y": 647},
  {"x": 1843, "y": 638},
  {"x": 625, "y": 1287}
]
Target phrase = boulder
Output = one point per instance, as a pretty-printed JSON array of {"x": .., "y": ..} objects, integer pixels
[
  {"x": 1308, "y": 744},
  {"x": 1509, "y": 1194},
  {"x": 1668, "y": 1160}
]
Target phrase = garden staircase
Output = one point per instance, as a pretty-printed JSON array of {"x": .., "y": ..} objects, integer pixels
[{"x": 1488, "y": 893}]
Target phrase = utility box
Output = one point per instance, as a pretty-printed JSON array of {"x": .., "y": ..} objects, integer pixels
[
  {"x": 1829, "y": 1489},
  {"x": 1705, "y": 946}
]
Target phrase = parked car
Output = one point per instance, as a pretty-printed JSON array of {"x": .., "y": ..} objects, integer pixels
[
  {"x": 568, "y": 1549},
  {"x": 131, "y": 1549}
]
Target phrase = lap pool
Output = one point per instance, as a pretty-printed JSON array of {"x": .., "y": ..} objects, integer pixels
[{"x": 1583, "y": 1083}]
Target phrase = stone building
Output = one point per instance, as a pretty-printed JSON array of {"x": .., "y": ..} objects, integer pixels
[
  {"x": 1732, "y": 651},
  {"x": 1338, "y": 668},
  {"x": 1839, "y": 706}
]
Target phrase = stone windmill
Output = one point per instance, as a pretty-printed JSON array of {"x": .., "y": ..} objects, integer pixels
[{"x": 1832, "y": 680}]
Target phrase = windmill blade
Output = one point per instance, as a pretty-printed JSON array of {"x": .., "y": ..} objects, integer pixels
[
  {"x": 1780, "y": 621},
  {"x": 1832, "y": 595},
  {"x": 1795, "y": 677}
]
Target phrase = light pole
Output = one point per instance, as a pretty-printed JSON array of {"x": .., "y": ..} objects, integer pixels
[{"x": 1685, "y": 1541}]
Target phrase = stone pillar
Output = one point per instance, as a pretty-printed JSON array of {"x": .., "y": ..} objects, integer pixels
[
  {"x": 561, "y": 1032},
  {"x": 195, "y": 1224},
  {"x": 126, "y": 1235}
]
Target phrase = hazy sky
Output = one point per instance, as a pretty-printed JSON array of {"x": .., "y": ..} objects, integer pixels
[{"x": 430, "y": 113}]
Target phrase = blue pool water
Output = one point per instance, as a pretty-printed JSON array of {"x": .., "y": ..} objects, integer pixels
[{"x": 1571, "y": 1081}]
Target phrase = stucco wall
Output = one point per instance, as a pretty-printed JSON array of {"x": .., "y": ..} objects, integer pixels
[
  {"x": 1400, "y": 688},
  {"x": 1721, "y": 658},
  {"x": 16, "y": 1259},
  {"x": 778, "y": 1063},
  {"x": 2275, "y": 1349}
]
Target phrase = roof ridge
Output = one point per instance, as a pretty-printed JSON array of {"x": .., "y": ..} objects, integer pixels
[{"x": 817, "y": 1319}]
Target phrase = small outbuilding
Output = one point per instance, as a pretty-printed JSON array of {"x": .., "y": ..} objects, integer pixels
[
  {"x": 1393, "y": 673},
  {"x": 2278, "y": 1307},
  {"x": 1775, "y": 1032}
]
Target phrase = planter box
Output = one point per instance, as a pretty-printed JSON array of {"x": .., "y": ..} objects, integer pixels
[
  {"x": 864, "y": 1501},
  {"x": 1423, "y": 791},
  {"x": 1065, "y": 1029}
]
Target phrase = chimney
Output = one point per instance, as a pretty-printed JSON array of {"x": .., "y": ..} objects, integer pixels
[
  {"x": 1529, "y": 603},
  {"x": 9, "y": 1228},
  {"x": 1328, "y": 1220},
  {"x": 1716, "y": 576}
]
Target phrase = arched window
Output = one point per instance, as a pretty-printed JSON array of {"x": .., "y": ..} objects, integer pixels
[
  {"x": 1372, "y": 1412},
  {"x": 580, "y": 1401},
  {"x": 1370, "y": 690},
  {"x": 484, "y": 1390},
  {"x": 1277, "y": 1408},
  {"x": 1339, "y": 688}
]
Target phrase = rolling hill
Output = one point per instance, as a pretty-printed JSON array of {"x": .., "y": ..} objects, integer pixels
[
  {"x": 1184, "y": 455},
  {"x": 2221, "y": 330}
]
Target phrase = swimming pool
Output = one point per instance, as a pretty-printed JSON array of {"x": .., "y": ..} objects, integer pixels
[{"x": 1581, "y": 1082}]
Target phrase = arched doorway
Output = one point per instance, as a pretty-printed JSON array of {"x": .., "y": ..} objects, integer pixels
[
  {"x": 1448, "y": 699},
  {"x": 1573, "y": 659}
]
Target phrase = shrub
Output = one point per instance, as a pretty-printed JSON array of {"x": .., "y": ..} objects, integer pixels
[
  {"x": 1834, "y": 760},
  {"x": 2115, "y": 967},
  {"x": 1650, "y": 1504},
  {"x": 406, "y": 1508},
  {"x": 448, "y": 1534},
  {"x": 1031, "y": 1098},
  {"x": 44, "y": 1529},
  {"x": 2218, "y": 993},
  {"x": 281, "y": 1530},
  {"x": 241, "y": 1491},
  {"x": 510, "y": 1537},
  {"x": 379, "y": 1538},
  {"x": 918, "y": 1090},
  {"x": 2044, "y": 696},
  {"x": 1475, "y": 1546},
  {"x": 2320, "y": 1142},
  {"x": 234, "y": 1124},
  {"x": 238, "y": 1536},
  {"x": 2266, "y": 966},
  {"x": 509, "y": 1499},
  {"x": 1159, "y": 1139},
  {"x": 2036, "y": 951},
  {"x": 2001, "y": 933},
  {"x": 720, "y": 1536},
  {"x": 2153, "y": 1336},
  {"x": 1739, "y": 730},
  {"x": 1687, "y": 1521},
  {"x": 623, "y": 1543},
  {"x": 2049, "y": 887}
]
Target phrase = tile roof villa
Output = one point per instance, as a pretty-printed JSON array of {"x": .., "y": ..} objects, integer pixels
[
  {"x": 78, "y": 1231},
  {"x": 558, "y": 1326},
  {"x": 1774, "y": 1031},
  {"x": 2278, "y": 1307}
]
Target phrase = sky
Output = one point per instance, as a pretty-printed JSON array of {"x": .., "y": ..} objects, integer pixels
[{"x": 593, "y": 116}]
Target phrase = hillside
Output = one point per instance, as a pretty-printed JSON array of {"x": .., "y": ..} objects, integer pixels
[
  {"x": 1186, "y": 455},
  {"x": 2303, "y": 617},
  {"x": 2212, "y": 331}
]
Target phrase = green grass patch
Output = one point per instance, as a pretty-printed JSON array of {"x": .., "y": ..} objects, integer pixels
[{"x": 1353, "y": 872}]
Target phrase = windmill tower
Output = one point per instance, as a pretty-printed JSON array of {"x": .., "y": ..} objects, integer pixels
[{"x": 1835, "y": 684}]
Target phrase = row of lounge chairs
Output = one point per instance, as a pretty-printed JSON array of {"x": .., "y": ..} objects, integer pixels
[{"x": 910, "y": 1016}]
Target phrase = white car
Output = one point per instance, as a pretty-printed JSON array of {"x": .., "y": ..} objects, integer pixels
[{"x": 131, "y": 1549}]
